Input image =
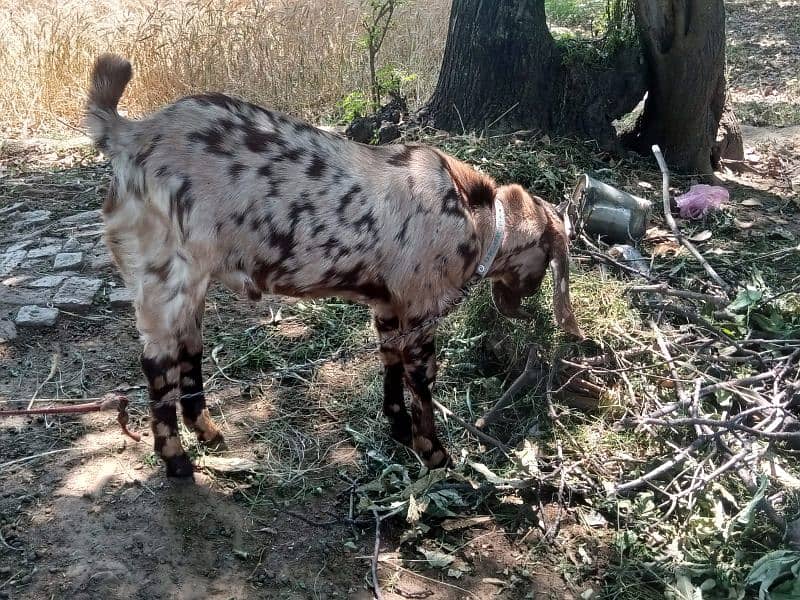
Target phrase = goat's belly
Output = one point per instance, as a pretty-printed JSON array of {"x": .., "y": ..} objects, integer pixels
[{"x": 243, "y": 284}]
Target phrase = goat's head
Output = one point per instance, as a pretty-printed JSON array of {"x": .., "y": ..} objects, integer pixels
[{"x": 535, "y": 237}]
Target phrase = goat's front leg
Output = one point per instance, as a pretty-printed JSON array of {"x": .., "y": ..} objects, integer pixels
[
  {"x": 419, "y": 363},
  {"x": 394, "y": 406},
  {"x": 193, "y": 400}
]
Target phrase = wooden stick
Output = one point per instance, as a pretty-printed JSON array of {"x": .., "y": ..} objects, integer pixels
[
  {"x": 528, "y": 376},
  {"x": 662, "y": 164},
  {"x": 619, "y": 265},
  {"x": 666, "y": 290},
  {"x": 109, "y": 402}
]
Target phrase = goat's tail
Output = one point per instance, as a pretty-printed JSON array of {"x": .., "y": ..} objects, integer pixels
[
  {"x": 110, "y": 74},
  {"x": 562, "y": 305}
]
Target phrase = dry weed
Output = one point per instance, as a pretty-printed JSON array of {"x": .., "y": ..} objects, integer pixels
[{"x": 300, "y": 57}]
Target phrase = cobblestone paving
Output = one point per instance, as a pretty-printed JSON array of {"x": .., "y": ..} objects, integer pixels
[{"x": 66, "y": 269}]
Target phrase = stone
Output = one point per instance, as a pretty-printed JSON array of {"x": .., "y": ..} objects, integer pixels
[
  {"x": 48, "y": 281},
  {"x": 388, "y": 132},
  {"x": 20, "y": 245},
  {"x": 82, "y": 217},
  {"x": 16, "y": 280},
  {"x": 120, "y": 297},
  {"x": 33, "y": 217},
  {"x": 68, "y": 260},
  {"x": 102, "y": 261},
  {"x": 8, "y": 210},
  {"x": 21, "y": 296},
  {"x": 71, "y": 245},
  {"x": 36, "y": 316},
  {"x": 10, "y": 261},
  {"x": 8, "y": 331},
  {"x": 44, "y": 251},
  {"x": 77, "y": 293}
]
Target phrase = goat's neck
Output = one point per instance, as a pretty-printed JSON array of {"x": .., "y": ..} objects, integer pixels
[
  {"x": 513, "y": 236},
  {"x": 525, "y": 224}
]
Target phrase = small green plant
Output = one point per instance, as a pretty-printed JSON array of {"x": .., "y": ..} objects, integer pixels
[
  {"x": 392, "y": 79},
  {"x": 376, "y": 23},
  {"x": 356, "y": 104}
]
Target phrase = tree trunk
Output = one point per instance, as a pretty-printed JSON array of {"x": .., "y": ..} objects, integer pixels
[
  {"x": 684, "y": 47},
  {"x": 500, "y": 63},
  {"x": 729, "y": 143}
]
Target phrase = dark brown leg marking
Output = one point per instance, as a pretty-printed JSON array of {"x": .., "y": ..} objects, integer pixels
[
  {"x": 162, "y": 378},
  {"x": 419, "y": 362},
  {"x": 193, "y": 400},
  {"x": 394, "y": 406}
]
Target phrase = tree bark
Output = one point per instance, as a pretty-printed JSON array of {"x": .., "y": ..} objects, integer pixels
[
  {"x": 730, "y": 142},
  {"x": 500, "y": 64},
  {"x": 683, "y": 42}
]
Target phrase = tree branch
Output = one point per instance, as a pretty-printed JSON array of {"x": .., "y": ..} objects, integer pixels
[{"x": 674, "y": 226}]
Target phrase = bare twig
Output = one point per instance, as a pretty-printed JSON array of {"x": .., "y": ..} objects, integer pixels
[
  {"x": 666, "y": 290},
  {"x": 662, "y": 468},
  {"x": 674, "y": 226},
  {"x": 7, "y": 545},
  {"x": 470, "y": 427},
  {"x": 108, "y": 402},
  {"x": 529, "y": 375},
  {"x": 627, "y": 268},
  {"x": 376, "y": 586},
  {"x": 54, "y": 362}
]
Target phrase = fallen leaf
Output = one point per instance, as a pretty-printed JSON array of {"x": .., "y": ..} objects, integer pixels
[
  {"x": 702, "y": 236},
  {"x": 454, "y": 524},
  {"x": 742, "y": 224},
  {"x": 752, "y": 202},
  {"x": 436, "y": 559},
  {"x": 228, "y": 464}
]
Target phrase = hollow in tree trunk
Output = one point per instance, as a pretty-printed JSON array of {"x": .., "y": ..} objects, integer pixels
[
  {"x": 500, "y": 63},
  {"x": 683, "y": 42}
]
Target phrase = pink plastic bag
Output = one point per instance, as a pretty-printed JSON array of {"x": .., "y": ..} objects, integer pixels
[{"x": 700, "y": 199}]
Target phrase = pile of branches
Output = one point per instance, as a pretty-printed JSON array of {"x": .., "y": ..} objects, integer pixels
[
  {"x": 736, "y": 401},
  {"x": 735, "y": 406}
]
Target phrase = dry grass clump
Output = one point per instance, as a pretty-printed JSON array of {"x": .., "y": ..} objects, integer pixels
[{"x": 300, "y": 57}]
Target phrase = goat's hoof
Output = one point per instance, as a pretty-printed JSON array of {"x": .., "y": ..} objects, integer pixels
[
  {"x": 179, "y": 467},
  {"x": 216, "y": 443}
]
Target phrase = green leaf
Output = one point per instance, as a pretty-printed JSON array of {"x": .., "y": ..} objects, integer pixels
[
  {"x": 770, "y": 568},
  {"x": 745, "y": 516},
  {"x": 788, "y": 590},
  {"x": 436, "y": 559},
  {"x": 745, "y": 299}
]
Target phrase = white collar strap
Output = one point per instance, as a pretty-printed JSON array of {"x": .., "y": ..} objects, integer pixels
[{"x": 497, "y": 241}]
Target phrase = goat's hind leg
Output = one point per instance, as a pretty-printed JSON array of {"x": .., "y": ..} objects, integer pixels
[
  {"x": 419, "y": 363},
  {"x": 193, "y": 401},
  {"x": 165, "y": 310}
]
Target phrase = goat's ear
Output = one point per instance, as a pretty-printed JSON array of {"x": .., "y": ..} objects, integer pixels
[
  {"x": 478, "y": 189},
  {"x": 562, "y": 305}
]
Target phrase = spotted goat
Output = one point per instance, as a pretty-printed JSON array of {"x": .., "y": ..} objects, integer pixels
[{"x": 213, "y": 188}]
